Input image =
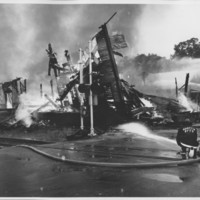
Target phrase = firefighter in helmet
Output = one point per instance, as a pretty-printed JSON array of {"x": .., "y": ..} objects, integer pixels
[{"x": 187, "y": 139}]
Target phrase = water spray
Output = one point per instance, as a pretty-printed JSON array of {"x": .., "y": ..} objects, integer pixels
[{"x": 140, "y": 129}]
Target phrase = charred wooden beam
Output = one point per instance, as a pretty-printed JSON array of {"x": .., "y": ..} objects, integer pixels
[
  {"x": 51, "y": 85},
  {"x": 186, "y": 84},
  {"x": 41, "y": 92},
  {"x": 176, "y": 89},
  {"x": 68, "y": 87},
  {"x": 114, "y": 68}
]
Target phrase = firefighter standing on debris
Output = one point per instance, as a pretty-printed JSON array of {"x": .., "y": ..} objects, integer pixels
[{"x": 187, "y": 139}]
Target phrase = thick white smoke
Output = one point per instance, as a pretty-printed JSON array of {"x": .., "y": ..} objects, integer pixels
[
  {"x": 164, "y": 83},
  {"x": 29, "y": 106},
  {"x": 160, "y": 80},
  {"x": 157, "y": 29},
  {"x": 23, "y": 112},
  {"x": 187, "y": 103},
  {"x": 27, "y": 29},
  {"x": 21, "y": 50}
]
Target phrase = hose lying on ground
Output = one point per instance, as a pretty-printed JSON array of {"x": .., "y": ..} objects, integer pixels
[
  {"x": 114, "y": 165},
  {"x": 111, "y": 154}
]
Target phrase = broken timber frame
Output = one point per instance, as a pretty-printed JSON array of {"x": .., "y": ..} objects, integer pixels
[{"x": 120, "y": 105}]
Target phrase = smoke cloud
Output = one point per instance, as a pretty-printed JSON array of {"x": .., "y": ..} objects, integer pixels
[
  {"x": 157, "y": 29},
  {"x": 26, "y": 30},
  {"x": 17, "y": 41},
  {"x": 157, "y": 76}
]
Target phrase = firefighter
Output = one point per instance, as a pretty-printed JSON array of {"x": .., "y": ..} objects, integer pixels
[{"x": 187, "y": 139}]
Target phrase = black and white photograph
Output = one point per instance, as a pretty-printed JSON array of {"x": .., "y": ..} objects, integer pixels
[{"x": 99, "y": 99}]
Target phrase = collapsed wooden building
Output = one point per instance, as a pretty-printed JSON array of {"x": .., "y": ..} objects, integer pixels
[
  {"x": 96, "y": 85},
  {"x": 114, "y": 100}
]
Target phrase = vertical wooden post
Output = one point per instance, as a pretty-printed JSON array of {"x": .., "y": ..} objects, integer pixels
[
  {"x": 81, "y": 95},
  {"x": 92, "y": 133},
  {"x": 41, "y": 92},
  {"x": 52, "y": 92},
  {"x": 25, "y": 86},
  {"x": 186, "y": 84},
  {"x": 176, "y": 88},
  {"x": 196, "y": 101}
]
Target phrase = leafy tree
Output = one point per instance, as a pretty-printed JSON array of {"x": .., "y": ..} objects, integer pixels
[{"x": 188, "y": 48}]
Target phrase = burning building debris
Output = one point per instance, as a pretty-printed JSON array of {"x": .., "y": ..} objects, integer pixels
[
  {"x": 113, "y": 98},
  {"x": 10, "y": 98},
  {"x": 92, "y": 93},
  {"x": 10, "y": 92}
]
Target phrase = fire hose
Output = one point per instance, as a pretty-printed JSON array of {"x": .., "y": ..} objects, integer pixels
[{"x": 113, "y": 165}]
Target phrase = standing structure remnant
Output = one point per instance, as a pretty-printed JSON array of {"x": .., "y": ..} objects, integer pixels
[
  {"x": 23, "y": 87},
  {"x": 53, "y": 63},
  {"x": 105, "y": 75},
  {"x": 92, "y": 133},
  {"x": 186, "y": 84},
  {"x": 11, "y": 91},
  {"x": 41, "y": 91},
  {"x": 81, "y": 95},
  {"x": 110, "y": 63},
  {"x": 176, "y": 89},
  {"x": 114, "y": 96},
  {"x": 51, "y": 85}
]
